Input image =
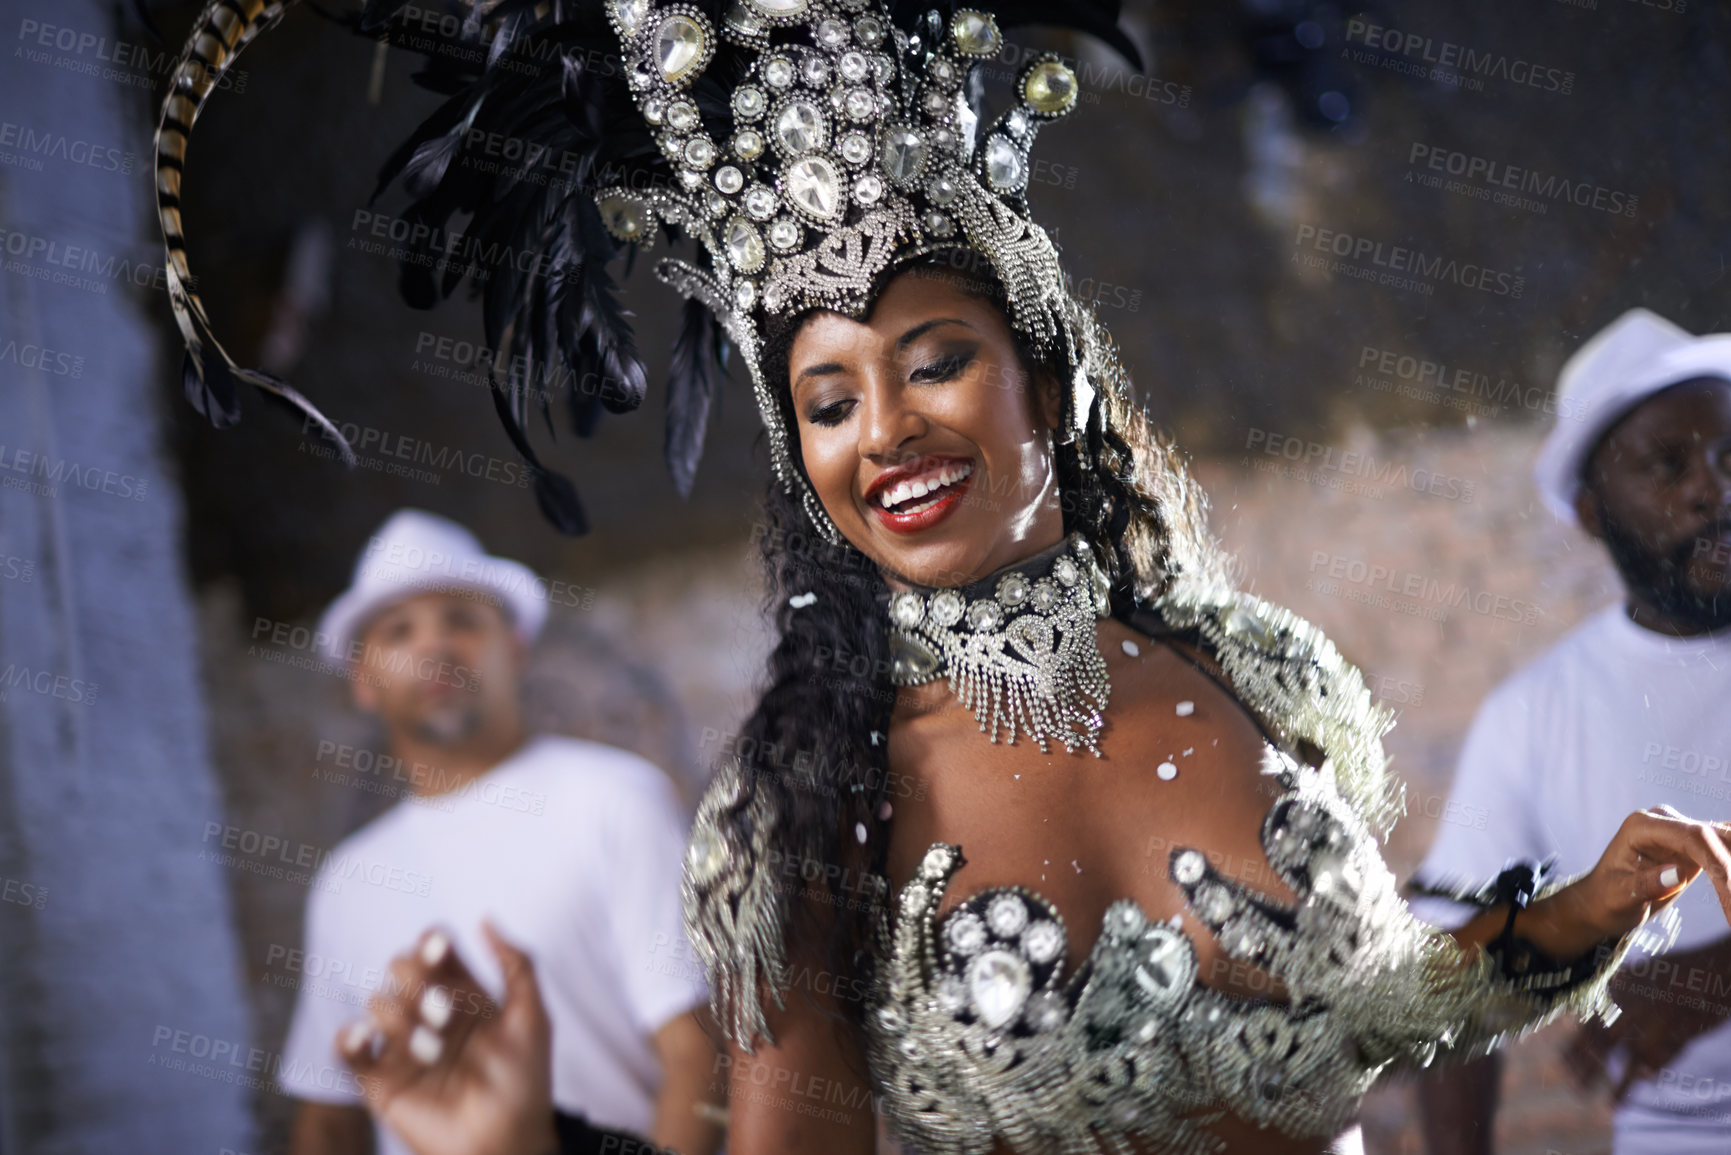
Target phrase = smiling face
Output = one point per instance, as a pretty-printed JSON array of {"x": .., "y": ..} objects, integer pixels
[
  {"x": 923, "y": 436},
  {"x": 1658, "y": 494}
]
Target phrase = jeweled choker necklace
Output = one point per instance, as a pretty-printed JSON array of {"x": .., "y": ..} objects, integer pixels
[{"x": 1019, "y": 646}]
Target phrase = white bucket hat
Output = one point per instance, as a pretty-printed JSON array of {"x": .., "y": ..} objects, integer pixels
[
  {"x": 415, "y": 552},
  {"x": 1635, "y": 356}
]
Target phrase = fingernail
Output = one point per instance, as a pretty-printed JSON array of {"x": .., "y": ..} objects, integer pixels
[
  {"x": 357, "y": 1036},
  {"x": 434, "y": 950},
  {"x": 425, "y": 1045},
  {"x": 1669, "y": 877},
  {"x": 436, "y": 1007}
]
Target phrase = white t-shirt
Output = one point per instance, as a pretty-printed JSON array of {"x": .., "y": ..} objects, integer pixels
[
  {"x": 1613, "y": 719},
  {"x": 574, "y": 851}
]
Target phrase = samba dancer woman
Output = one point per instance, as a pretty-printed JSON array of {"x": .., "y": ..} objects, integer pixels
[{"x": 1134, "y": 900}]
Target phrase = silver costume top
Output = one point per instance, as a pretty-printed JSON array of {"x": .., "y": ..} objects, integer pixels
[{"x": 977, "y": 1036}]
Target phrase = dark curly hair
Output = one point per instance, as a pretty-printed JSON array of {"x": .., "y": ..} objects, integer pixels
[{"x": 817, "y": 740}]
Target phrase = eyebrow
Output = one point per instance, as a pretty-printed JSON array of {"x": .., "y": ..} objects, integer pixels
[
  {"x": 902, "y": 342},
  {"x": 920, "y": 330}
]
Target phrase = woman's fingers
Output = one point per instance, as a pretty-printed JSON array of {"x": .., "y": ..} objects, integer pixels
[
  {"x": 523, "y": 1007},
  {"x": 420, "y": 1016},
  {"x": 1677, "y": 850},
  {"x": 1669, "y": 851},
  {"x": 451, "y": 1003}
]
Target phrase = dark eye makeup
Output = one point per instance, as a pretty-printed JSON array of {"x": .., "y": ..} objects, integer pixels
[{"x": 944, "y": 367}]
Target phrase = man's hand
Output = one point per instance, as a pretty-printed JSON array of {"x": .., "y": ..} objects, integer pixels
[
  {"x": 446, "y": 1068},
  {"x": 1663, "y": 1011}
]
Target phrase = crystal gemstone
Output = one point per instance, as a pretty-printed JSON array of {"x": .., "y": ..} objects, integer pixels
[
  {"x": 1050, "y": 88},
  {"x": 629, "y": 15},
  {"x": 680, "y": 45},
  {"x": 904, "y": 154},
  {"x": 1007, "y": 915},
  {"x": 832, "y": 33},
  {"x": 625, "y": 217},
  {"x": 999, "y": 983},
  {"x": 813, "y": 185},
  {"x": 748, "y": 102},
  {"x": 1160, "y": 966},
  {"x": 1005, "y": 168},
  {"x": 699, "y": 153},
  {"x": 748, "y": 143},
  {"x": 799, "y": 128},
  {"x": 760, "y": 203},
  {"x": 744, "y": 246},
  {"x": 744, "y": 21},
  {"x": 976, "y": 34}
]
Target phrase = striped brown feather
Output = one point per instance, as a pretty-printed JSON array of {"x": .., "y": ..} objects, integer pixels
[{"x": 209, "y": 374}]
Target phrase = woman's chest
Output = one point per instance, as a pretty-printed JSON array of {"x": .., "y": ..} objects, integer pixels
[{"x": 1084, "y": 832}]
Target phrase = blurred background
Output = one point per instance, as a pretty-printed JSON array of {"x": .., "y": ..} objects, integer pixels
[{"x": 159, "y": 570}]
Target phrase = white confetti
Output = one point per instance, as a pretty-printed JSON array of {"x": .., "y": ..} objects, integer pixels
[
  {"x": 859, "y": 832},
  {"x": 800, "y": 601},
  {"x": 1131, "y": 648},
  {"x": 1186, "y": 708},
  {"x": 1167, "y": 771}
]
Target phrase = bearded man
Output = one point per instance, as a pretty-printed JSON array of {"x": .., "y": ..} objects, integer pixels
[{"x": 1630, "y": 710}]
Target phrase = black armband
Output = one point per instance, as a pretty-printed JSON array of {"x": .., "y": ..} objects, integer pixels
[{"x": 1517, "y": 960}]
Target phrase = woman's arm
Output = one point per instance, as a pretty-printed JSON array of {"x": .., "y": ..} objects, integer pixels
[
  {"x": 1655, "y": 854},
  {"x": 690, "y": 1070},
  {"x": 807, "y": 1093}
]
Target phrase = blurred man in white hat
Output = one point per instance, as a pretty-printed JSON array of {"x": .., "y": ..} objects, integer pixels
[
  {"x": 571, "y": 849},
  {"x": 1631, "y": 709}
]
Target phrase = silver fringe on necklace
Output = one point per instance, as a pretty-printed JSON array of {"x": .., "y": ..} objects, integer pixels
[{"x": 1019, "y": 646}]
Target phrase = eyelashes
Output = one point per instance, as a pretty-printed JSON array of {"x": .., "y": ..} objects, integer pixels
[
  {"x": 945, "y": 368},
  {"x": 830, "y": 415}
]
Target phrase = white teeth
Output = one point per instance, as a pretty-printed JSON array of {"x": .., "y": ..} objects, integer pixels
[{"x": 918, "y": 487}]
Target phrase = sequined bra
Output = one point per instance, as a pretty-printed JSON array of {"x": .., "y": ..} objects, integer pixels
[{"x": 976, "y": 1036}]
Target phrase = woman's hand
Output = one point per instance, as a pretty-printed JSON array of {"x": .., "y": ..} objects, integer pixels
[
  {"x": 445, "y": 1067},
  {"x": 1654, "y": 856}
]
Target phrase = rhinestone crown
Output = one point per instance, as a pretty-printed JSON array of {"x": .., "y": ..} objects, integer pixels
[{"x": 850, "y": 147}]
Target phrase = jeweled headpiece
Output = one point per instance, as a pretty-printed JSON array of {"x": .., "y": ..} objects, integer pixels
[{"x": 809, "y": 147}]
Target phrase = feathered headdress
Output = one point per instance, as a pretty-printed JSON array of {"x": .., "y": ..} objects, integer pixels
[{"x": 807, "y": 146}]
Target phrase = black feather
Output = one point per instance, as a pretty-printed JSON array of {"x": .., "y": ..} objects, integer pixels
[
  {"x": 693, "y": 381},
  {"x": 554, "y": 492},
  {"x": 624, "y": 378}
]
